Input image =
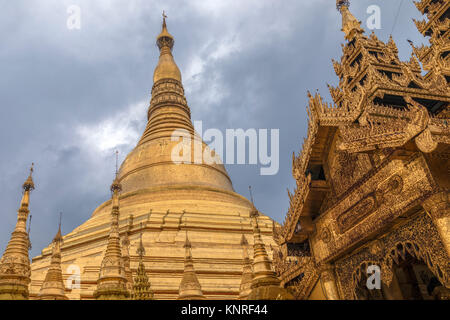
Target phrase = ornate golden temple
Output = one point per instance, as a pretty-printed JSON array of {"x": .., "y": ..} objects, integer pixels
[
  {"x": 372, "y": 190},
  {"x": 373, "y": 174}
]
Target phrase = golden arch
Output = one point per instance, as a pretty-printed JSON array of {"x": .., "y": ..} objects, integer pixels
[{"x": 398, "y": 252}]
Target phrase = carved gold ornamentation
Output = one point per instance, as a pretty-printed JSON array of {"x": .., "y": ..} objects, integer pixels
[
  {"x": 418, "y": 237},
  {"x": 357, "y": 213},
  {"x": 381, "y": 145}
]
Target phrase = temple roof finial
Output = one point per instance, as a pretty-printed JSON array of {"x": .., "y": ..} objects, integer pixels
[
  {"x": 164, "y": 19},
  {"x": 141, "y": 285},
  {"x": 166, "y": 68},
  {"x": 341, "y": 3},
  {"x": 165, "y": 39},
  {"x": 58, "y": 236},
  {"x": 350, "y": 25},
  {"x": 116, "y": 186},
  {"x": 141, "y": 249},
  {"x": 29, "y": 184}
]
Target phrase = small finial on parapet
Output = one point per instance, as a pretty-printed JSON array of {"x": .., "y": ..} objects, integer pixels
[
  {"x": 187, "y": 243},
  {"x": 141, "y": 249},
  {"x": 116, "y": 186},
  {"x": 244, "y": 241},
  {"x": 58, "y": 236}
]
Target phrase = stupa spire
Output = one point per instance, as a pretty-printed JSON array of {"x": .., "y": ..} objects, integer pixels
[
  {"x": 15, "y": 263},
  {"x": 168, "y": 107},
  {"x": 350, "y": 25},
  {"x": 53, "y": 285},
  {"x": 169, "y": 116},
  {"x": 167, "y": 68},
  {"x": 247, "y": 272},
  {"x": 141, "y": 287},
  {"x": 190, "y": 288},
  {"x": 112, "y": 283}
]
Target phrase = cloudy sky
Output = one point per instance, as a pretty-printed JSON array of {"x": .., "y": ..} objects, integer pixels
[{"x": 69, "y": 98}]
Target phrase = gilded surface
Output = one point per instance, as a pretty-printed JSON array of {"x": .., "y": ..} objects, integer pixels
[
  {"x": 376, "y": 162},
  {"x": 165, "y": 199}
]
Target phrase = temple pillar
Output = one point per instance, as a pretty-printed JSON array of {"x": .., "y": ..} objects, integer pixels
[
  {"x": 328, "y": 280},
  {"x": 437, "y": 206}
]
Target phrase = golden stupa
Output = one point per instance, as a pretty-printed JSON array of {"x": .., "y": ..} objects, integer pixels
[{"x": 166, "y": 202}]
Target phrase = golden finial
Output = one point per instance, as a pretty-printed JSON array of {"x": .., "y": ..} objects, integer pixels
[
  {"x": 116, "y": 186},
  {"x": 165, "y": 39},
  {"x": 29, "y": 185},
  {"x": 244, "y": 241},
  {"x": 164, "y": 18},
  {"x": 58, "y": 236},
  {"x": 187, "y": 243},
  {"x": 141, "y": 249}
]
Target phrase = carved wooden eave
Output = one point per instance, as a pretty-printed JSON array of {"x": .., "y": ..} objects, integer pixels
[
  {"x": 309, "y": 193},
  {"x": 426, "y": 53},
  {"x": 396, "y": 130},
  {"x": 306, "y": 270},
  {"x": 433, "y": 11}
]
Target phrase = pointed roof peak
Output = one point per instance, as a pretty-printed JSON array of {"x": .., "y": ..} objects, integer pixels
[
  {"x": 141, "y": 249},
  {"x": 342, "y": 3},
  {"x": 58, "y": 236},
  {"x": 29, "y": 184},
  {"x": 164, "y": 19},
  {"x": 350, "y": 25},
  {"x": 244, "y": 241},
  {"x": 187, "y": 243},
  {"x": 116, "y": 186},
  {"x": 165, "y": 39}
]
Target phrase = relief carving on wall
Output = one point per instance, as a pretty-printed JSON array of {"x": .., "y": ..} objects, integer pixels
[{"x": 356, "y": 213}]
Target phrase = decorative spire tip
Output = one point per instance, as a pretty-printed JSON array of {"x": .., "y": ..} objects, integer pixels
[
  {"x": 342, "y": 3},
  {"x": 187, "y": 243}
]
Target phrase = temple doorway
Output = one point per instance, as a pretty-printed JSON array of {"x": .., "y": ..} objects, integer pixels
[{"x": 411, "y": 280}]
